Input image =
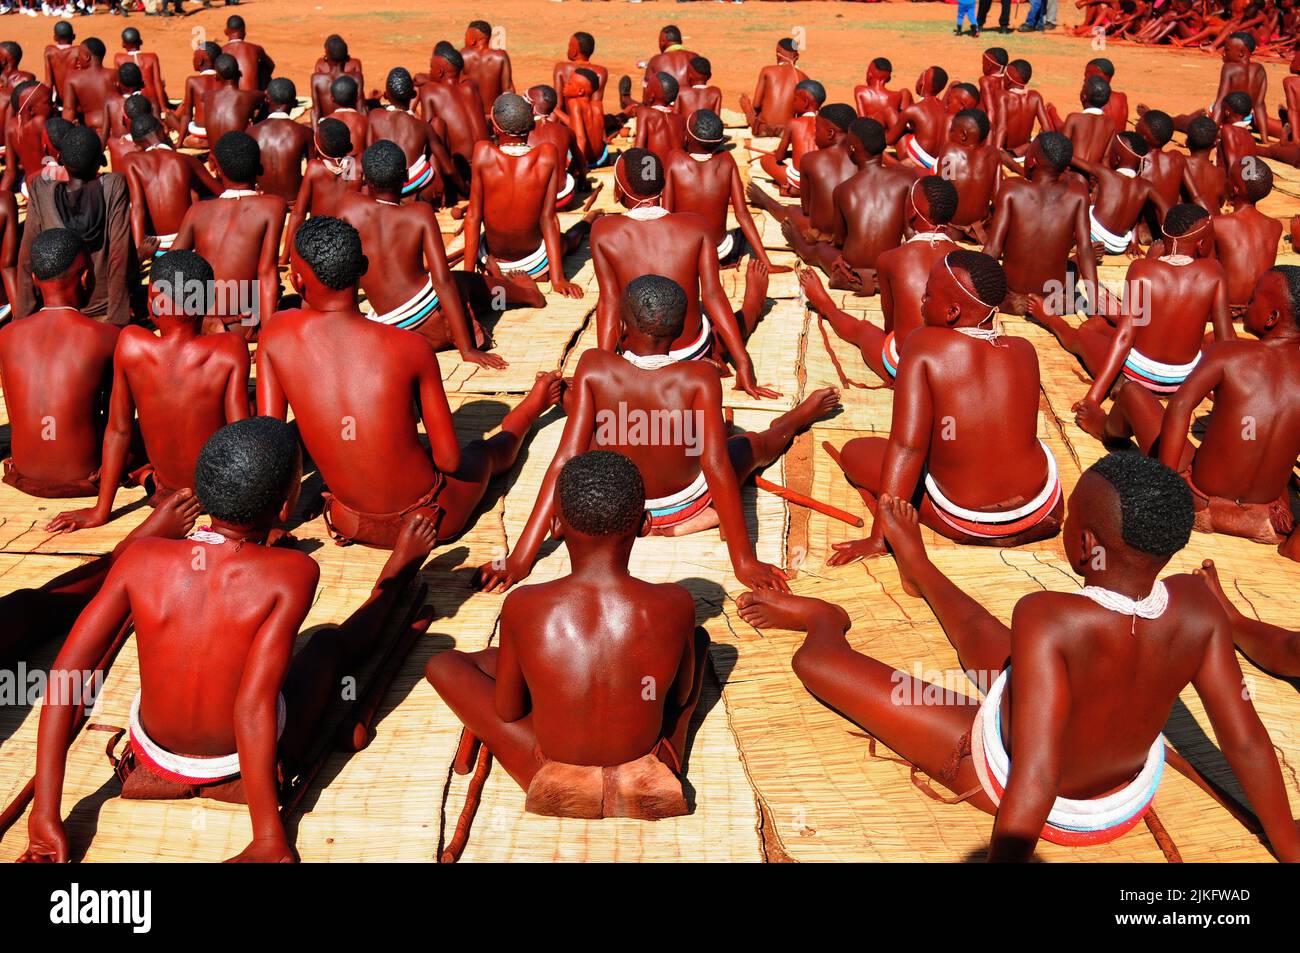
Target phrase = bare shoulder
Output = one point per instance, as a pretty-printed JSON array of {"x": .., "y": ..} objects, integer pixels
[{"x": 674, "y": 600}]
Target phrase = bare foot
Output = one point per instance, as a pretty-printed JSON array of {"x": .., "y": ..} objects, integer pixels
[
  {"x": 546, "y": 392},
  {"x": 770, "y": 609},
  {"x": 756, "y": 282},
  {"x": 171, "y": 519},
  {"x": 818, "y": 405},
  {"x": 415, "y": 541},
  {"x": 1209, "y": 574},
  {"x": 902, "y": 529},
  {"x": 1091, "y": 419}
]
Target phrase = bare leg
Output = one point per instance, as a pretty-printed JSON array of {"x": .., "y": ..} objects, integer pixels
[
  {"x": 863, "y": 335},
  {"x": 1090, "y": 342},
  {"x": 776, "y": 170},
  {"x": 1269, "y": 646},
  {"x": 779, "y": 211},
  {"x": 334, "y": 653},
  {"x": 467, "y": 683},
  {"x": 751, "y": 452},
  {"x": 820, "y": 254},
  {"x": 575, "y": 233},
  {"x": 982, "y": 641},
  {"x": 886, "y": 702},
  {"x": 481, "y": 460},
  {"x": 756, "y": 282}
]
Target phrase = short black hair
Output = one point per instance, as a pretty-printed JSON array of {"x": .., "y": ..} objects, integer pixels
[
  {"x": 970, "y": 89},
  {"x": 1257, "y": 177},
  {"x": 282, "y": 92},
  {"x": 513, "y": 114},
  {"x": 56, "y": 127},
  {"x": 384, "y": 164},
  {"x": 143, "y": 126},
  {"x": 1023, "y": 69},
  {"x": 672, "y": 33},
  {"x": 668, "y": 83},
  {"x": 643, "y": 171},
  {"x": 96, "y": 47},
  {"x": 706, "y": 126},
  {"x": 82, "y": 152},
  {"x": 1182, "y": 218},
  {"x": 938, "y": 79},
  {"x": 656, "y": 305},
  {"x": 1155, "y": 503},
  {"x": 586, "y": 42},
  {"x": 1291, "y": 274},
  {"x": 344, "y": 92},
  {"x": 332, "y": 250},
  {"x": 1240, "y": 103},
  {"x": 481, "y": 26},
  {"x": 979, "y": 117},
  {"x": 547, "y": 94},
  {"x": 1201, "y": 133},
  {"x": 335, "y": 137},
  {"x": 1160, "y": 124},
  {"x": 839, "y": 115},
  {"x": 1096, "y": 91},
  {"x": 985, "y": 272},
  {"x": 336, "y": 48},
  {"x": 1245, "y": 38},
  {"x": 137, "y": 105},
  {"x": 870, "y": 133},
  {"x": 235, "y": 22},
  {"x": 213, "y": 50},
  {"x": 1135, "y": 142},
  {"x": 814, "y": 89},
  {"x": 998, "y": 55},
  {"x": 244, "y": 469},
  {"x": 788, "y": 44},
  {"x": 63, "y": 30},
  {"x": 941, "y": 196},
  {"x": 601, "y": 493},
  {"x": 186, "y": 279},
  {"x": 238, "y": 155},
  {"x": 227, "y": 66},
  {"x": 400, "y": 86},
  {"x": 131, "y": 35},
  {"x": 452, "y": 56},
  {"x": 883, "y": 64},
  {"x": 1106, "y": 66},
  {"x": 53, "y": 252},
  {"x": 590, "y": 75},
  {"x": 702, "y": 66}
]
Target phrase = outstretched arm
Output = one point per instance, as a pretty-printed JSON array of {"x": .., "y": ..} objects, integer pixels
[
  {"x": 435, "y": 260},
  {"x": 724, "y": 487},
  {"x": 1244, "y": 740},
  {"x": 1178, "y": 412},
  {"x": 1040, "y": 685},
  {"x": 256, "y": 701},
  {"x": 714, "y": 302},
  {"x": 609, "y": 322},
  {"x": 500, "y": 574},
  {"x": 436, "y": 413}
]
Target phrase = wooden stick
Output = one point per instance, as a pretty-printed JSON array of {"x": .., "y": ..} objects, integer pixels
[
  {"x": 1161, "y": 834},
  {"x": 466, "y": 752},
  {"x": 356, "y": 732},
  {"x": 793, "y": 496},
  {"x": 80, "y": 716},
  {"x": 473, "y": 796}
]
